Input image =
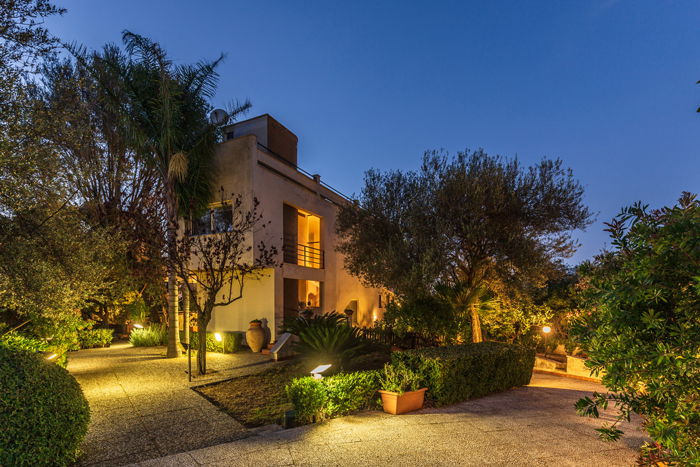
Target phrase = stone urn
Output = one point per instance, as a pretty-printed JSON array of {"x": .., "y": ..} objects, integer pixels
[{"x": 255, "y": 336}]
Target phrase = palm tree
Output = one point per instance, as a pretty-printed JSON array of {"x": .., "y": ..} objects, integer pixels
[{"x": 165, "y": 108}]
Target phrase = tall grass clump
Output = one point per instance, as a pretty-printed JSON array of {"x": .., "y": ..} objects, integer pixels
[{"x": 154, "y": 335}]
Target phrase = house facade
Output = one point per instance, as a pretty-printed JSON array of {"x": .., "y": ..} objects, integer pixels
[{"x": 258, "y": 160}]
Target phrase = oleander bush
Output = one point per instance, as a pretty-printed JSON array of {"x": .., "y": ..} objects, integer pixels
[
  {"x": 642, "y": 328},
  {"x": 43, "y": 413},
  {"x": 152, "y": 336},
  {"x": 315, "y": 400},
  {"x": 91, "y": 338},
  {"x": 457, "y": 373}
]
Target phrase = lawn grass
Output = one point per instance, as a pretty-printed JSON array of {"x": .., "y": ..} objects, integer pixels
[{"x": 260, "y": 399}]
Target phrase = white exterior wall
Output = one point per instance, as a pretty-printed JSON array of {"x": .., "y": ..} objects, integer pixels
[{"x": 246, "y": 169}]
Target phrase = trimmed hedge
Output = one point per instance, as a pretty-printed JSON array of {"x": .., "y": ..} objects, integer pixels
[
  {"x": 43, "y": 413},
  {"x": 461, "y": 372},
  {"x": 315, "y": 400}
]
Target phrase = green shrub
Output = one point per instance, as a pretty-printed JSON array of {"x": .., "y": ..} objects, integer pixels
[
  {"x": 319, "y": 399},
  {"x": 43, "y": 413},
  {"x": 461, "y": 372},
  {"x": 642, "y": 328},
  {"x": 329, "y": 339},
  {"x": 154, "y": 335},
  {"x": 16, "y": 341},
  {"x": 230, "y": 343},
  {"x": 397, "y": 377},
  {"x": 91, "y": 338}
]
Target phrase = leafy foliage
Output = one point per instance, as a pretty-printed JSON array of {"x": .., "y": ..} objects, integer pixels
[
  {"x": 43, "y": 413},
  {"x": 91, "y": 338},
  {"x": 397, "y": 377},
  {"x": 315, "y": 400},
  {"x": 457, "y": 373},
  {"x": 643, "y": 328},
  {"x": 230, "y": 342},
  {"x": 471, "y": 225},
  {"x": 17, "y": 341},
  {"x": 152, "y": 336},
  {"x": 330, "y": 339}
]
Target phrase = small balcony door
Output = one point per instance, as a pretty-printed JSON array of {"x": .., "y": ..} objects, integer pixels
[{"x": 302, "y": 238}]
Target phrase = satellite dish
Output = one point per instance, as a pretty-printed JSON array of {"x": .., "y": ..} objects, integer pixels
[{"x": 218, "y": 117}]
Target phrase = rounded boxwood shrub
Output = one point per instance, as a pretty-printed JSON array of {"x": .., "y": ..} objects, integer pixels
[{"x": 43, "y": 412}]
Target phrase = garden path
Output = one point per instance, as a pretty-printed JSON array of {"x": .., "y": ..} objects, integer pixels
[
  {"x": 142, "y": 406},
  {"x": 532, "y": 425}
]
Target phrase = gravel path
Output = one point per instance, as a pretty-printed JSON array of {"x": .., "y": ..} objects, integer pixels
[
  {"x": 533, "y": 425},
  {"x": 142, "y": 406}
]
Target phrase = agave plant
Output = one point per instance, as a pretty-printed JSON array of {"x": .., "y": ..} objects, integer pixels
[{"x": 328, "y": 339}]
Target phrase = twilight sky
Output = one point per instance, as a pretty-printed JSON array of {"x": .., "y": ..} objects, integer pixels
[{"x": 608, "y": 86}]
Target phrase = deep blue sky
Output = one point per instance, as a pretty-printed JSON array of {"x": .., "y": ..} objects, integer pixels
[{"x": 607, "y": 86}]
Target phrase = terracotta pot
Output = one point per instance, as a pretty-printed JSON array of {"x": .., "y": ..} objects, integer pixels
[
  {"x": 255, "y": 337},
  {"x": 395, "y": 403}
]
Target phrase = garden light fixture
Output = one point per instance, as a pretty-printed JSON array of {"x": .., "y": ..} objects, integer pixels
[
  {"x": 52, "y": 356},
  {"x": 138, "y": 326},
  {"x": 546, "y": 330},
  {"x": 218, "y": 337},
  {"x": 316, "y": 372}
]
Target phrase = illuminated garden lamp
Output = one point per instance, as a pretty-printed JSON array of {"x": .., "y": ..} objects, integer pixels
[
  {"x": 546, "y": 330},
  {"x": 316, "y": 372},
  {"x": 218, "y": 337},
  {"x": 52, "y": 356},
  {"x": 138, "y": 326}
]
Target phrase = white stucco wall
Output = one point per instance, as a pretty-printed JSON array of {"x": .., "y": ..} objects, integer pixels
[{"x": 245, "y": 169}]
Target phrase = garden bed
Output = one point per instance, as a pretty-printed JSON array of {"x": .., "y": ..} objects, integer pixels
[
  {"x": 255, "y": 400},
  {"x": 261, "y": 399}
]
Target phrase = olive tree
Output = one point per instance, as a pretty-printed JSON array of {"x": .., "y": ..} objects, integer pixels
[{"x": 471, "y": 223}]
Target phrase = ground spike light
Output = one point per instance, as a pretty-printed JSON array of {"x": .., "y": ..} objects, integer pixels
[{"x": 316, "y": 372}]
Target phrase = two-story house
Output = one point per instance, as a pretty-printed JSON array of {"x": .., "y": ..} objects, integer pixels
[{"x": 259, "y": 160}]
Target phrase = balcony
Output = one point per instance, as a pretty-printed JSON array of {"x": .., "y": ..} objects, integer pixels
[{"x": 303, "y": 255}]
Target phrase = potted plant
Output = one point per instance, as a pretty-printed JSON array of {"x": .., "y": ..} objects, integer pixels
[
  {"x": 255, "y": 336},
  {"x": 401, "y": 391}
]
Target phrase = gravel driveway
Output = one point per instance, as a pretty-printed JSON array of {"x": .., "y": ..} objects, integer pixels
[{"x": 142, "y": 406}]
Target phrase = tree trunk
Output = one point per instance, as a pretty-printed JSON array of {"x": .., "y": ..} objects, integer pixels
[
  {"x": 202, "y": 350},
  {"x": 476, "y": 324},
  {"x": 174, "y": 349},
  {"x": 186, "y": 312}
]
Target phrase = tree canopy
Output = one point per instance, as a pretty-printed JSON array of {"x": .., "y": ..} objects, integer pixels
[{"x": 474, "y": 223}]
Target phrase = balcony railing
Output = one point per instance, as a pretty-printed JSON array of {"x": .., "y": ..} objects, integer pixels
[{"x": 303, "y": 255}]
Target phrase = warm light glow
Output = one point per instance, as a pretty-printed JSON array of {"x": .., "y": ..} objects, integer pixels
[
  {"x": 316, "y": 372},
  {"x": 218, "y": 337},
  {"x": 374, "y": 316},
  {"x": 52, "y": 356},
  {"x": 138, "y": 326},
  {"x": 546, "y": 329}
]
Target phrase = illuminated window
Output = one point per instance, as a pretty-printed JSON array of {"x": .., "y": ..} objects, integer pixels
[{"x": 310, "y": 293}]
